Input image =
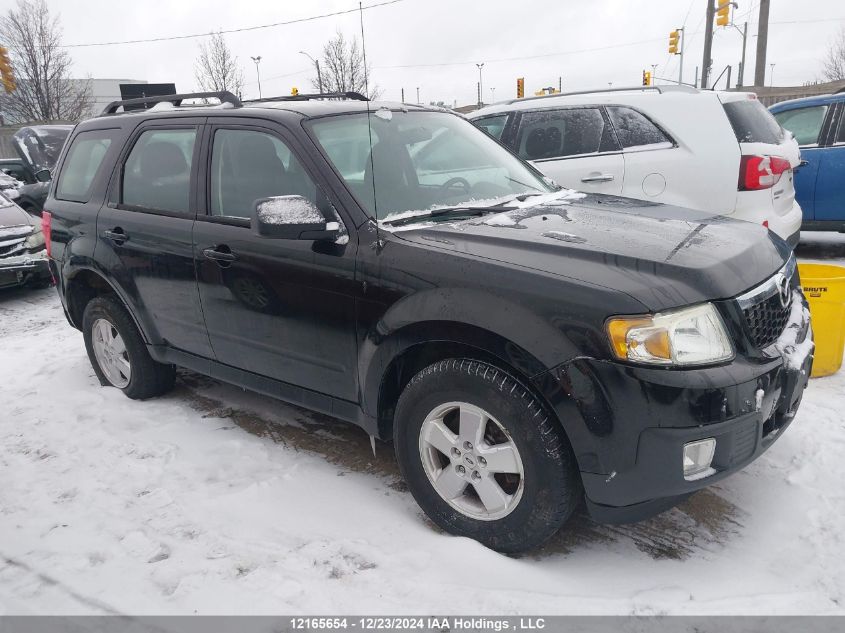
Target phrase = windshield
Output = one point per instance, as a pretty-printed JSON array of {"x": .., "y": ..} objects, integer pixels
[
  {"x": 421, "y": 161},
  {"x": 42, "y": 145}
]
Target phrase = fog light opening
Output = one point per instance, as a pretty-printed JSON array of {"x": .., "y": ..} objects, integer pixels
[{"x": 697, "y": 458}]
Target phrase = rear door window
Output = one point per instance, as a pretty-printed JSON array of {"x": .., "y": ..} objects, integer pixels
[
  {"x": 804, "y": 123},
  {"x": 561, "y": 133},
  {"x": 635, "y": 130},
  {"x": 83, "y": 162},
  {"x": 157, "y": 173},
  {"x": 493, "y": 125},
  {"x": 752, "y": 123}
]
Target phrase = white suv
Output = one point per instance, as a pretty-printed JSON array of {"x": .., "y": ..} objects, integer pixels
[{"x": 713, "y": 151}]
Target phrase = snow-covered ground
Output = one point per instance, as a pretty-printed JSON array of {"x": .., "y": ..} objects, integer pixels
[{"x": 215, "y": 500}]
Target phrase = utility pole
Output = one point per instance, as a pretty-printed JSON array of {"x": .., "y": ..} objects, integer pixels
[
  {"x": 708, "y": 44},
  {"x": 762, "y": 44},
  {"x": 681, "y": 60},
  {"x": 654, "y": 73},
  {"x": 480, "y": 86},
  {"x": 772, "y": 77},
  {"x": 418, "y": 95},
  {"x": 403, "y": 95},
  {"x": 493, "y": 93},
  {"x": 560, "y": 84},
  {"x": 317, "y": 64},
  {"x": 257, "y": 73},
  {"x": 741, "y": 77}
]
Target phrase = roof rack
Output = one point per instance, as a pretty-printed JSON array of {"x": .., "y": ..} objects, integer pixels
[
  {"x": 354, "y": 96},
  {"x": 659, "y": 89},
  {"x": 224, "y": 96}
]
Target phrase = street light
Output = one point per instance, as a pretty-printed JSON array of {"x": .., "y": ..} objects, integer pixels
[
  {"x": 257, "y": 73},
  {"x": 772, "y": 76},
  {"x": 480, "y": 86},
  {"x": 317, "y": 64},
  {"x": 493, "y": 93}
]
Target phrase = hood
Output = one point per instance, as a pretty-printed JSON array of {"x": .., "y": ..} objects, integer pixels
[
  {"x": 39, "y": 146},
  {"x": 13, "y": 218},
  {"x": 661, "y": 255}
]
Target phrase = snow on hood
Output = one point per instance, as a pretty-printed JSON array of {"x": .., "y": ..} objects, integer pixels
[{"x": 499, "y": 219}]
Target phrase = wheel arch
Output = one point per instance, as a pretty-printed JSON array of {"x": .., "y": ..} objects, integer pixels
[
  {"x": 86, "y": 284},
  {"x": 407, "y": 351}
]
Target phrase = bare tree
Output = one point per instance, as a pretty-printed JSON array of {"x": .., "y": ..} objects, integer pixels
[
  {"x": 45, "y": 92},
  {"x": 343, "y": 68},
  {"x": 216, "y": 69},
  {"x": 833, "y": 65}
]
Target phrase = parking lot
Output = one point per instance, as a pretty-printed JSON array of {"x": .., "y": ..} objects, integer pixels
[{"x": 216, "y": 500}]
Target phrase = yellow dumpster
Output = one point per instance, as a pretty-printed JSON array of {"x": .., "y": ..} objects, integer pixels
[{"x": 824, "y": 287}]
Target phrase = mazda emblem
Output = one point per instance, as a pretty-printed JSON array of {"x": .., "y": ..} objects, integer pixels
[{"x": 784, "y": 291}]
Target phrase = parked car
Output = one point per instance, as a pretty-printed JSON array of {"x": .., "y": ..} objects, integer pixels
[
  {"x": 818, "y": 125},
  {"x": 23, "y": 255},
  {"x": 519, "y": 343},
  {"x": 38, "y": 147},
  {"x": 718, "y": 152}
]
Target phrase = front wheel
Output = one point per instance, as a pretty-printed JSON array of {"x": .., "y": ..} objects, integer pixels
[{"x": 482, "y": 457}]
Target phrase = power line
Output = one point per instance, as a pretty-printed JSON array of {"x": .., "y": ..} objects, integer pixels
[
  {"x": 240, "y": 30},
  {"x": 511, "y": 59}
]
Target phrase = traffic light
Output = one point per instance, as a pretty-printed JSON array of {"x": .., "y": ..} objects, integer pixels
[
  {"x": 723, "y": 12},
  {"x": 520, "y": 87},
  {"x": 294, "y": 91},
  {"x": 7, "y": 77},
  {"x": 674, "y": 39},
  {"x": 646, "y": 78}
]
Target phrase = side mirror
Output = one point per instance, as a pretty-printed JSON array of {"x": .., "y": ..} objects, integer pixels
[
  {"x": 43, "y": 175},
  {"x": 292, "y": 218}
]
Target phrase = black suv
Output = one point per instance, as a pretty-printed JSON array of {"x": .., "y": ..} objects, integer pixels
[{"x": 395, "y": 267}]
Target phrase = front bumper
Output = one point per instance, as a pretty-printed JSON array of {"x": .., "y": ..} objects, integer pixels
[
  {"x": 628, "y": 425},
  {"x": 23, "y": 269}
]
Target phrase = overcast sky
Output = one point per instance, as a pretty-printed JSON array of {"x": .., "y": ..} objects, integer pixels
[{"x": 435, "y": 44}]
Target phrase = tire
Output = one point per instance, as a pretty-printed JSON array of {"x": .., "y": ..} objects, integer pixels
[
  {"x": 549, "y": 486},
  {"x": 146, "y": 378}
]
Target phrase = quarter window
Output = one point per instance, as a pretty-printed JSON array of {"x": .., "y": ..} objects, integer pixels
[
  {"x": 804, "y": 123},
  {"x": 493, "y": 125},
  {"x": 157, "y": 174},
  {"x": 634, "y": 129},
  {"x": 840, "y": 135},
  {"x": 568, "y": 132},
  {"x": 247, "y": 165},
  {"x": 83, "y": 161}
]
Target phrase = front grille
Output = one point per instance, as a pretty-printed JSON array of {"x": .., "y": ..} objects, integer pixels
[
  {"x": 8, "y": 248},
  {"x": 765, "y": 308},
  {"x": 766, "y": 320}
]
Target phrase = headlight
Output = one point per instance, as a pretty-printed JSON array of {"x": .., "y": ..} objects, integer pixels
[
  {"x": 35, "y": 240},
  {"x": 690, "y": 336}
]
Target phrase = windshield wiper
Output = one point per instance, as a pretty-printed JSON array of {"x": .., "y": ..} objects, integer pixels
[{"x": 449, "y": 212}]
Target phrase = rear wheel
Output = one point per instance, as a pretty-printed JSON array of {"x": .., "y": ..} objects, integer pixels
[
  {"x": 118, "y": 353},
  {"x": 482, "y": 457}
]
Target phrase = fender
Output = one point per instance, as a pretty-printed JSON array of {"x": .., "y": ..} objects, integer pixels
[
  {"x": 71, "y": 270},
  {"x": 469, "y": 317}
]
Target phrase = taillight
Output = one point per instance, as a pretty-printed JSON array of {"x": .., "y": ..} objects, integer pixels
[
  {"x": 761, "y": 172},
  {"x": 46, "y": 226}
]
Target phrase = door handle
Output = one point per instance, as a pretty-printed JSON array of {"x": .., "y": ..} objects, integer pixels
[
  {"x": 116, "y": 235},
  {"x": 598, "y": 178},
  {"x": 221, "y": 256}
]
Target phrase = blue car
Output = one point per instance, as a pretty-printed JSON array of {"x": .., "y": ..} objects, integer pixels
[{"x": 818, "y": 124}]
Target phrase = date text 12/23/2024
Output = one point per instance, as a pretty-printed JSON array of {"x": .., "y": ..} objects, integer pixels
[{"x": 428, "y": 623}]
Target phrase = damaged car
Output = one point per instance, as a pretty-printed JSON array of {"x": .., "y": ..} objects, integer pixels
[
  {"x": 38, "y": 147},
  {"x": 524, "y": 347},
  {"x": 23, "y": 254}
]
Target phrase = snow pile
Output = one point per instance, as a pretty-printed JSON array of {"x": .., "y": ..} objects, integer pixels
[
  {"x": 384, "y": 114},
  {"x": 288, "y": 210}
]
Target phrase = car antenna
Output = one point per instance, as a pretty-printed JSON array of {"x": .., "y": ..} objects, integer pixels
[{"x": 379, "y": 243}]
